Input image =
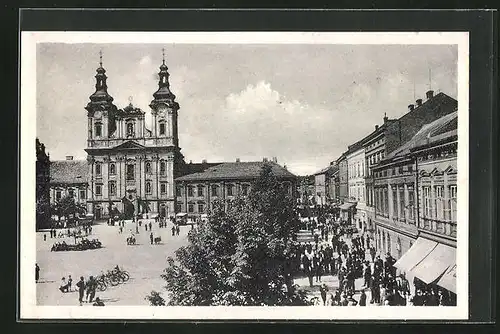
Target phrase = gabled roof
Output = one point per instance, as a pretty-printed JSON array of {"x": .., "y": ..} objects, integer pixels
[
  {"x": 236, "y": 170},
  {"x": 330, "y": 169},
  {"x": 129, "y": 145},
  {"x": 69, "y": 171},
  {"x": 425, "y": 134}
]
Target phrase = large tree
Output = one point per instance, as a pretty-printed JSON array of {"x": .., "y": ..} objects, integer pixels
[{"x": 241, "y": 256}]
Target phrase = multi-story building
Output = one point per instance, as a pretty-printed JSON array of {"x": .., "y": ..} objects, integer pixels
[
  {"x": 395, "y": 132},
  {"x": 415, "y": 190},
  {"x": 131, "y": 167},
  {"x": 325, "y": 186},
  {"x": 356, "y": 181},
  {"x": 343, "y": 177},
  {"x": 196, "y": 192},
  {"x": 305, "y": 191},
  {"x": 333, "y": 184}
]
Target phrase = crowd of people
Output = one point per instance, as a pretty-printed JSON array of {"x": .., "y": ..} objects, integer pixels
[{"x": 335, "y": 251}]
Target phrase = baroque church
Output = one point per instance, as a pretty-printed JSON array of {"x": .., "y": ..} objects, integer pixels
[
  {"x": 132, "y": 169},
  {"x": 129, "y": 165}
]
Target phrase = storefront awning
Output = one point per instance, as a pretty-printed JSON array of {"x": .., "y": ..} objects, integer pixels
[
  {"x": 435, "y": 263},
  {"x": 449, "y": 279},
  {"x": 420, "y": 249},
  {"x": 347, "y": 206}
]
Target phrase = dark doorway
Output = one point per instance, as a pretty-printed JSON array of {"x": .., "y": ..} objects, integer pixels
[
  {"x": 163, "y": 212},
  {"x": 98, "y": 213},
  {"x": 128, "y": 209}
]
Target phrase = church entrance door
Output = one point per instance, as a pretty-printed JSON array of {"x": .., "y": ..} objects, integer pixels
[{"x": 128, "y": 209}]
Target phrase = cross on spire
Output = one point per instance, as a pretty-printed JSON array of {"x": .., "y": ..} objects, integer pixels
[
  {"x": 163, "y": 55},
  {"x": 100, "y": 58},
  {"x": 130, "y": 98}
]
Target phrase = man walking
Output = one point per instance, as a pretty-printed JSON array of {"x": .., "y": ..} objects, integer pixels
[
  {"x": 91, "y": 289},
  {"x": 81, "y": 289},
  {"x": 37, "y": 272},
  {"x": 151, "y": 237}
]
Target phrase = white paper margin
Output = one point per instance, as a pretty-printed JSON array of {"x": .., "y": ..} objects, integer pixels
[{"x": 27, "y": 289}]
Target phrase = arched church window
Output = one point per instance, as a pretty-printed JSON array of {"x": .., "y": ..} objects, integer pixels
[
  {"x": 148, "y": 167},
  {"x": 98, "y": 171},
  {"x": 162, "y": 168},
  {"x": 162, "y": 128},
  {"x": 130, "y": 172},
  {"x": 112, "y": 169},
  {"x": 130, "y": 129},
  {"x": 98, "y": 129}
]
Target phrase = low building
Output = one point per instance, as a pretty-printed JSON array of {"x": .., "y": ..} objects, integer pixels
[
  {"x": 196, "y": 192},
  {"x": 343, "y": 177},
  {"x": 69, "y": 178}
]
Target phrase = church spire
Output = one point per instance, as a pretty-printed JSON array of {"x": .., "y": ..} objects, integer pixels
[
  {"x": 163, "y": 94},
  {"x": 100, "y": 98}
]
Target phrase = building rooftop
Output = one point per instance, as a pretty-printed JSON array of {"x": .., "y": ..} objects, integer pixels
[
  {"x": 329, "y": 169},
  {"x": 69, "y": 171},
  {"x": 235, "y": 170},
  {"x": 444, "y": 126}
]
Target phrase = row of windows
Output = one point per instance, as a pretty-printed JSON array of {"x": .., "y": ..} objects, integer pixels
[
  {"x": 71, "y": 193},
  {"x": 112, "y": 188},
  {"x": 438, "y": 204},
  {"x": 130, "y": 169},
  {"x": 401, "y": 207},
  {"x": 376, "y": 143},
  {"x": 214, "y": 190},
  {"x": 394, "y": 171},
  {"x": 356, "y": 170},
  {"x": 130, "y": 129}
]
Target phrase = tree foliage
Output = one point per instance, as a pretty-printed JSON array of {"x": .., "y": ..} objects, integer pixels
[{"x": 241, "y": 256}]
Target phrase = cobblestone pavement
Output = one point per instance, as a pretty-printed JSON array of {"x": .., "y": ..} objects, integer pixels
[{"x": 143, "y": 261}]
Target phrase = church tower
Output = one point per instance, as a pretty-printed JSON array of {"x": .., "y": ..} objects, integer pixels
[
  {"x": 100, "y": 111},
  {"x": 164, "y": 109}
]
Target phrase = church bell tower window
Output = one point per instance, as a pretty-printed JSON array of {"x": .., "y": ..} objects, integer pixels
[
  {"x": 130, "y": 130},
  {"x": 162, "y": 128},
  {"x": 98, "y": 129}
]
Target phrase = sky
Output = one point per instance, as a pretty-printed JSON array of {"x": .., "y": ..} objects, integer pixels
[{"x": 303, "y": 104}]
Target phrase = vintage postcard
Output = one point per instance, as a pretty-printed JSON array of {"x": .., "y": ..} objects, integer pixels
[{"x": 270, "y": 175}]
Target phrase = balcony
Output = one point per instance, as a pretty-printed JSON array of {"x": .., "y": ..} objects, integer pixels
[{"x": 446, "y": 228}]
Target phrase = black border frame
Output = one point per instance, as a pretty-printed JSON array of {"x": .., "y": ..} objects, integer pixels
[{"x": 482, "y": 26}]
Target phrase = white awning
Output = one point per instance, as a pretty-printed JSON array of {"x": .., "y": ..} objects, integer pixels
[
  {"x": 435, "y": 263},
  {"x": 420, "y": 249},
  {"x": 449, "y": 279}
]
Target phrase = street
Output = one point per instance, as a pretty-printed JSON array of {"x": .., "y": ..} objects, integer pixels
[{"x": 143, "y": 261}]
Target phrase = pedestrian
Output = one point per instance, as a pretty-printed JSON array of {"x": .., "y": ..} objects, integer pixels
[
  {"x": 173, "y": 230},
  {"x": 81, "y": 289},
  {"x": 178, "y": 229},
  {"x": 37, "y": 272},
  {"x": 44, "y": 237},
  {"x": 146, "y": 227},
  {"x": 362, "y": 298},
  {"x": 151, "y": 237},
  {"x": 64, "y": 286},
  {"x": 70, "y": 282},
  {"x": 323, "y": 290},
  {"x": 91, "y": 289},
  {"x": 372, "y": 253},
  {"x": 150, "y": 226}
]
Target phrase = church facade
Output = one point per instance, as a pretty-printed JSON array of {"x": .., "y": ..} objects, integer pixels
[{"x": 131, "y": 168}]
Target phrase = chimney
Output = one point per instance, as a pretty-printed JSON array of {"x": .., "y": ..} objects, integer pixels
[
  {"x": 238, "y": 160},
  {"x": 69, "y": 157},
  {"x": 429, "y": 94},
  {"x": 411, "y": 107},
  {"x": 376, "y": 127},
  {"x": 204, "y": 161},
  {"x": 284, "y": 166},
  {"x": 190, "y": 161},
  {"x": 419, "y": 102}
]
